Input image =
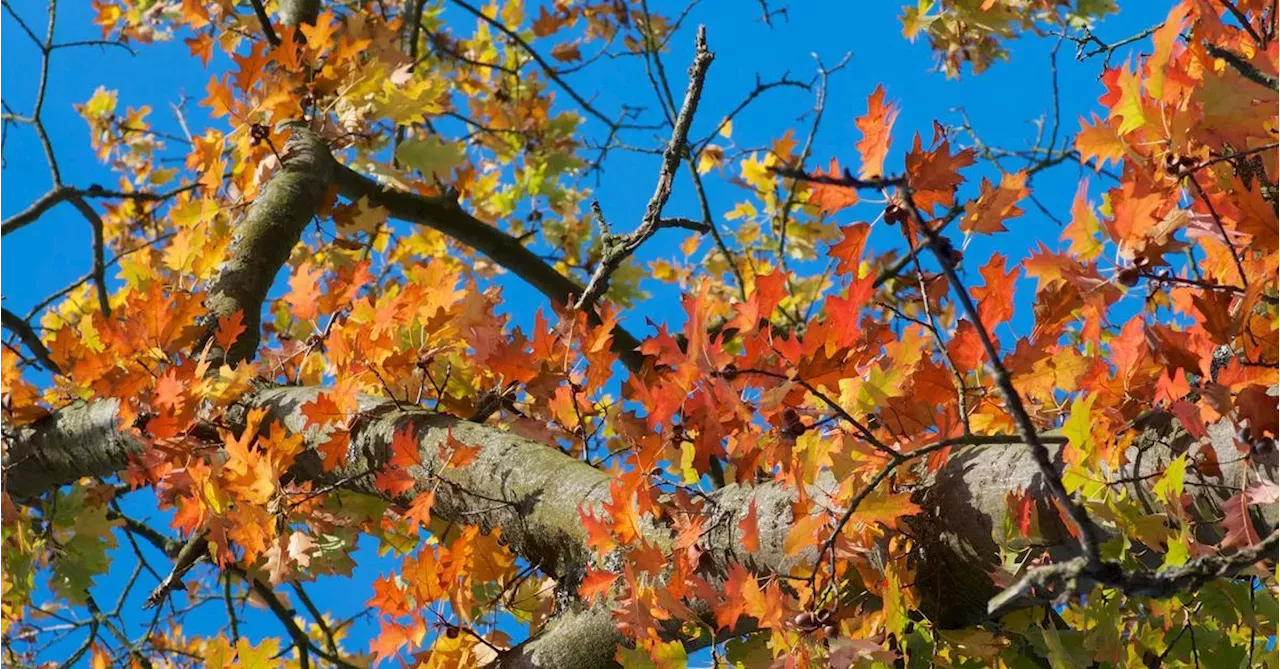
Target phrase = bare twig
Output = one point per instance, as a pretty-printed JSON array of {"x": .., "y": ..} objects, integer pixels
[
  {"x": 99, "y": 271},
  {"x": 30, "y": 338},
  {"x": 618, "y": 249}
]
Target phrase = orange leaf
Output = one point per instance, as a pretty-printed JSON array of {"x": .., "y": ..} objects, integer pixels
[
  {"x": 599, "y": 535},
  {"x": 965, "y": 348},
  {"x": 935, "y": 174},
  {"x": 229, "y": 330},
  {"x": 1099, "y": 141},
  {"x": 404, "y": 448},
  {"x": 596, "y": 584},
  {"x": 459, "y": 454},
  {"x": 736, "y": 586},
  {"x": 994, "y": 205},
  {"x": 321, "y": 411},
  {"x": 304, "y": 291},
  {"x": 750, "y": 528},
  {"x": 320, "y": 35},
  {"x": 170, "y": 392},
  {"x": 849, "y": 251},
  {"x": 876, "y": 126},
  {"x": 995, "y": 298},
  {"x": 393, "y": 481},
  {"x": 830, "y": 198},
  {"x": 804, "y": 533},
  {"x": 334, "y": 449},
  {"x": 420, "y": 509}
]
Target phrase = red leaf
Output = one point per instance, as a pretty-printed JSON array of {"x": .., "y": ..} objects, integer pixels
[
  {"x": 455, "y": 453},
  {"x": 994, "y": 206},
  {"x": 995, "y": 298},
  {"x": 321, "y": 411},
  {"x": 849, "y": 250},
  {"x": 1259, "y": 409},
  {"x": 404, "y": 448},
  {"x": 1237, "y": 523},
  {"x": 393, "y": 481},
  {"x": 599, "y": 536},
  {"x": 965, "y": 347}
]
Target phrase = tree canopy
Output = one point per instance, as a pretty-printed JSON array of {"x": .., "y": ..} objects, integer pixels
[{"x": 891, "y": 405}]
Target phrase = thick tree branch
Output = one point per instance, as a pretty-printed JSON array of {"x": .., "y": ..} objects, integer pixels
[
  {"x": 445, "y": 215},
  {"x": 266, "y": 236}
]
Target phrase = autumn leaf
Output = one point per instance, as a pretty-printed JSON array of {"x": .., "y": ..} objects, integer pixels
[
  {"x": 567, "y": 52},
  {"x": 1099, "y": 141},
  {"x": 434, "y": 157},
  {"x": 831, "y": 198},
  {"x": 994, "y": 206},
  {"x": 803, "y": 532},
  {"x": 995, "y": 296},
  {"x": 749, "y": 527},
  {"x": 304, "y": 291},
  {"x": 848, "y": 252},
  {"x": 229, "y": 330},
  {"x": 934, "y": 174},
  {"x": 1240, "y": 532},
  {"x": 596, "y": 584},
  {"x": 876, "y": 126}
]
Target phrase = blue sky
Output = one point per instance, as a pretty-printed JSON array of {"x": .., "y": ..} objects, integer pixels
[{"x": 1002, "y": 103}]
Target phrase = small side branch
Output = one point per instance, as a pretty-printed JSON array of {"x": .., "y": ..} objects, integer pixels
[
  {"x": 29, "y": 337},
  {"x": 617, "y": 249}
]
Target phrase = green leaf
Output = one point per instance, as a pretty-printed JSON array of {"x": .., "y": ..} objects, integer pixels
[
  {"x": 84, "y": 536},
  {"x": 1169, "y": 488},
  {"x": 432, "y": 156}
]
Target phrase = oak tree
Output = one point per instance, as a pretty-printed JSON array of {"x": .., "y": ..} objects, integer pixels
[{"x": 299, "y": 332}]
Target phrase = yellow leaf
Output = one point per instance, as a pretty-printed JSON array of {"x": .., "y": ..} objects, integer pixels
[
  {"x": 1129, "y": 106},
  {"x": 101, "y": 105},
  {"x": 756, "y": 173},
  {"x": 726, "y": 128},
  {"x": 711, "y": 157}
]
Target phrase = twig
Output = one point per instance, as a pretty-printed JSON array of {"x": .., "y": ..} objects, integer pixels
[
  {"x": 1217, "y": 221},
  {"x": 30, "y": 338},
  {"x": 547, "y": 69},
  {"x": 1244, "y": 67},
  {"x": 1167, "y": 582},
  {"x": 265, "y": 21},
  {"x": 99, "y": 252},
  {"x": 618, "y": 249},
  {"x": 1084, "y": 525}
]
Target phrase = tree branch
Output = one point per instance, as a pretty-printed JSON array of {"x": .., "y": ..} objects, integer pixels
[{"x": 618, "y": 249}]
